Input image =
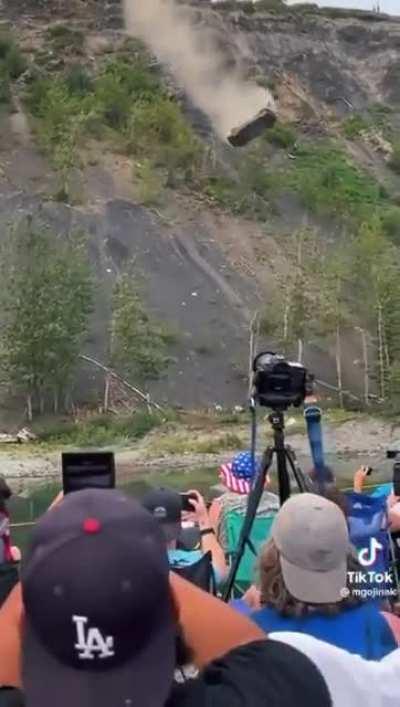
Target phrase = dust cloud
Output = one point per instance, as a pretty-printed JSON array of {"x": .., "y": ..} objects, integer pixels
[{"x": 190, "y": 52}]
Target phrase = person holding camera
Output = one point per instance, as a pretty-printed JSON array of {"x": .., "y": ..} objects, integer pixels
[{"x": 187, "y": 529}]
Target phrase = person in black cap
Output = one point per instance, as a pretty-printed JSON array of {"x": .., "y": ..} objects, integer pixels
[
  {"x": 166, "y": 506},
  {"x": 100, "y": 626}
]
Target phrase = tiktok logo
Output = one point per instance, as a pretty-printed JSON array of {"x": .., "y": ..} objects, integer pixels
[{"x": 368, "y": 555}]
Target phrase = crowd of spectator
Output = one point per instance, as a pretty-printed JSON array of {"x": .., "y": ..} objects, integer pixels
[{"x": 105, "y": 611}]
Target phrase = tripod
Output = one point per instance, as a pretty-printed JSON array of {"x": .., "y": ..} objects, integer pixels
[{"x": 283, "y": 454}]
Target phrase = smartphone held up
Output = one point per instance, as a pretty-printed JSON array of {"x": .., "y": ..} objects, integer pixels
[{"x": 87, "y": 470}]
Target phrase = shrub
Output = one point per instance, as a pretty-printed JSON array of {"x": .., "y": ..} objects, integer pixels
[
  {"x": 62, "y": 118},
  {"x": 120, "y": 86},
  {"x": 281, "y": 135},
  {"x": 6, "y": 44},
  {"x": 114, "y": 102},
  {"x": 78, "y": 81},
  {"x": 391, "y": 223},
  {"x": 328, "y": 182},
  {"x": 151, "y": 183},
  {"x": 271, "y": 6},
  {"x": 354, "y": 126},
  {"x": 15, "y": 63},
  {"x": 5, "y": 90},
  {"x": 394, "y": 162},
  {"x": 139, "y": 342},
  {"x": 159, "y": 131},
  {"x": 12, "y": 62}
]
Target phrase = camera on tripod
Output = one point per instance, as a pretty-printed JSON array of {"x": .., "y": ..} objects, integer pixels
[
  {"x": 394, "y": 453},
  {"x": 278, "y": 383}
]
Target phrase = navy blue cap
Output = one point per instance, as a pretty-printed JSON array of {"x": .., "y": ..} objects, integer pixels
[
  {"x": 99, "y": 620},
  {"x": 165, "y": 505}
]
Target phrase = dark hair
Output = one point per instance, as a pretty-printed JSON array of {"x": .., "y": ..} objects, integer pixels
[
  {"x": 275, "y": 594},
  {"x": 329, "y": 489},
  {"x": 5, "y": 493}
]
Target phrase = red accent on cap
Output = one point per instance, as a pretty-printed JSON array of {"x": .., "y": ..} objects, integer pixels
[{"x": 91, "y": 525}]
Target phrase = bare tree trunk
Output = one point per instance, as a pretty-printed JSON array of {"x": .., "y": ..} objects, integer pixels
[
  {"x": 381, "y": 353},
  {"x": 41, "y": 403},
  {"x": 365, "y": 365},
  {"x": 386, "y": 350},
  {"x": 286, "y": 320},
  {"x": 55, "y": 401},
  {"x": 253, "y": 342},
  {"x": 106, "y": 392},
  {"x": 29, "y": 412},
  {"x": 300, "y": 350},
  {"x": 144, "y": 397},
  {"x": 338, "y": 357}
]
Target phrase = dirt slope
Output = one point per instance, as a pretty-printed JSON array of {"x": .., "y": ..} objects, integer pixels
[{"x": 204, "y": 270}]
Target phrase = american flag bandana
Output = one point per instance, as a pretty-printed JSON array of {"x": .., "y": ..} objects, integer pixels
[{"x": 238, "y": 475}]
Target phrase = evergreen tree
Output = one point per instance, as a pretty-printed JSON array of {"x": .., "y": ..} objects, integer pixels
[{"x": 46, "y": 299}]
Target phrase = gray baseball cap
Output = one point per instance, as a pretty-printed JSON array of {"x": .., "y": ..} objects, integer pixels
[{"x": 311, "y": 535}]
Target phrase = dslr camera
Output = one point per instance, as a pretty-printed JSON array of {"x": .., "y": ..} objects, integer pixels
[{"x": 278, "y": 383}]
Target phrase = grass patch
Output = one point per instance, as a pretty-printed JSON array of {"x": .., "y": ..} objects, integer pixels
[
  {"x": 101, "y": 430},
  {"x": 329, "y": 183},
  {"x": 188, "y": 443}
]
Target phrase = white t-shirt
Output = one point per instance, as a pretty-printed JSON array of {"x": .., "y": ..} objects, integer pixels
[{"x": 351, "y": 680}]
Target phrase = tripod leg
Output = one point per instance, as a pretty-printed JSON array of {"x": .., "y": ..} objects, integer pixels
[
  {"x": 298, "y": 474},
  {"x": 252, "y": 505},
  {"x": 283, "y": 476}
]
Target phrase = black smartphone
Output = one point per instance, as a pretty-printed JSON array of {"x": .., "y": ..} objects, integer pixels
[
  {"x": 369, "y": 470},
  {"x": 186, "y": 498},
  {"x": 396, "y": 478},
  {"x": 87, "y": 470}
]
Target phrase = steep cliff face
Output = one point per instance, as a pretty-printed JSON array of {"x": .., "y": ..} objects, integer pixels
[
  {"x": 342, "y": 63},
  {"x": 207, "y": 270}
]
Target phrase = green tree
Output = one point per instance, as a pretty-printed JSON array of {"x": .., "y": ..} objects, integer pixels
[
  {"x": 138, "y": 343},
  {"x": 376, "y": 278},
  {"x": 290, "y": 318},
  {"x": 46, "y": 299},
  {"x": 332, "y": 305}
]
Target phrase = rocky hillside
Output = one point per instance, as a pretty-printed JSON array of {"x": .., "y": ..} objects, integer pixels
[{"x": 213, "y": 247}]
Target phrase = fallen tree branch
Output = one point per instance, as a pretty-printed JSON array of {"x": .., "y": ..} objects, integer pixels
[{"x": 143, "y": 396}]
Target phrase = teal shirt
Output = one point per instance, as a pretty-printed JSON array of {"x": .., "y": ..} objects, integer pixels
[{"x": 185, "y": 558}]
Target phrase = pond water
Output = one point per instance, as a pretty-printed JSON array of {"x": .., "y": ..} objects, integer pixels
[{"x": 33, "y": 502}]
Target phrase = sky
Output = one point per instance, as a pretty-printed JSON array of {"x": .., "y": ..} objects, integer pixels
[{"x": 390, "y": 6}]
